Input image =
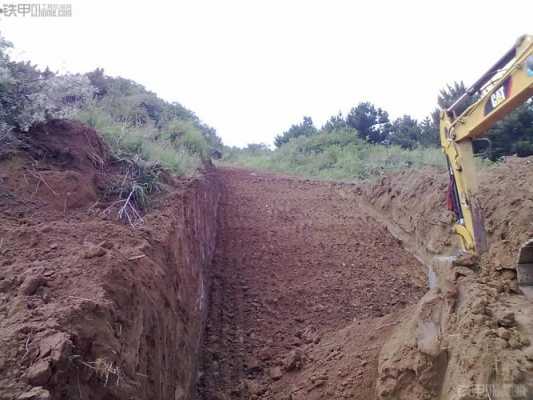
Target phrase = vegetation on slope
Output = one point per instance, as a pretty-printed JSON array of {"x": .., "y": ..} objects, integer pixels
[
  {"x": 338, "y": 154},
  {"x": 138, "y": 125}
]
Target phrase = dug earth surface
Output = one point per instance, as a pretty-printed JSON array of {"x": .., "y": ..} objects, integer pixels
[{"x": 305, "y": 289}]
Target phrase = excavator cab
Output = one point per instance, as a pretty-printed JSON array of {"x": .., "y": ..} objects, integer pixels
[{"x": 504, "y": 87}]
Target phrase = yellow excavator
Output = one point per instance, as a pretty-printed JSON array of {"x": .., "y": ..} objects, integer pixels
[{"x": 505, "y": 86}]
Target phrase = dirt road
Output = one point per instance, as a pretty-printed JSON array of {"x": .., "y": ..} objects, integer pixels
[{"x": 304, "y": 290}]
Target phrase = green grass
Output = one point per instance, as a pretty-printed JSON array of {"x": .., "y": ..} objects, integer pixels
[
  {"x": 336, "y": 155},
  {"x": 178, "y": 149}
]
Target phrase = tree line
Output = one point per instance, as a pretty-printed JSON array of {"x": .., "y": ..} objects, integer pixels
[{"x": 513, "y": 135}]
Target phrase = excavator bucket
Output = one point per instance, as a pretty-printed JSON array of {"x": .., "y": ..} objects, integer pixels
[{"x": 524, "y": 268}]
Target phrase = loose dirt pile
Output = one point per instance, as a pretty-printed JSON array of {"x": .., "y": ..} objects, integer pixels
[
  {"x": 473, "y": 330},
  {"x": 305, "y": 289},
  {"x": 90, "y": 307}
]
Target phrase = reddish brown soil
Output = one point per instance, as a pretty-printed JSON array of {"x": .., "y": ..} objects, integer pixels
[
  {"x": 306, "y": 288},
  {"x": 90, "y": 307},
  {"x": 297, "y": 262}
]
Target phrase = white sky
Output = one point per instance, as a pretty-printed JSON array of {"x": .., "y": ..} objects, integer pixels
[{"x": 252, "y": 68}]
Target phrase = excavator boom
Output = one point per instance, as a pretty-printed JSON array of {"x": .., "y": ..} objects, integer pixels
[
  {"x": 505, "y": 86},
  {"x": 501, "y": 89}
]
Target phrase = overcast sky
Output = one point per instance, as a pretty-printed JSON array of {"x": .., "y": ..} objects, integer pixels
[{"x": 252, "y": 68}]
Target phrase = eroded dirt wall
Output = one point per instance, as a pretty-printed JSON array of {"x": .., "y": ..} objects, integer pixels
[{"x": 90, "y": 307}]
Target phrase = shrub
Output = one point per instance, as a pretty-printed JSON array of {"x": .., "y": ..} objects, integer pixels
[
  {"x": 195, "y": 143},
  {"x": 29, "y": 95},
  {"x": 140, "y": 143}
]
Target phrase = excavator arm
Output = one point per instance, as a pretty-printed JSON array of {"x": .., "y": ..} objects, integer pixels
[{"x": 499, "y": 91}]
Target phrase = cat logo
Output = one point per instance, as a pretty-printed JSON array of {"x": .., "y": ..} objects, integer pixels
[{"x": 498, "y": 96}]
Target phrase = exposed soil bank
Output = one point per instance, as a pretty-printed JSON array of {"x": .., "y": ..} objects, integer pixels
[
  {"x": 469, "y": 337},
  {"x": 305, "y": 289},
  {"x": 91, "y": 308}
]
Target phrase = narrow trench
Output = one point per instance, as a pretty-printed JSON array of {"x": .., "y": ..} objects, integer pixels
[{"x": 304, "y": 290}]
